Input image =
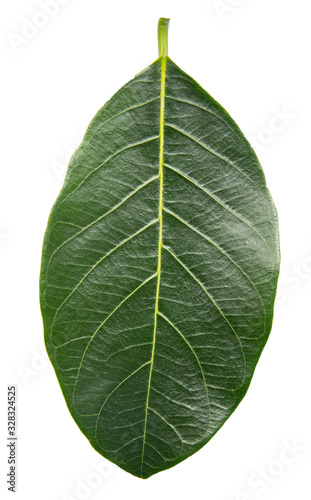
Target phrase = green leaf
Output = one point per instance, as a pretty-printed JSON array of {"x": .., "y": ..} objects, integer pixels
[{"x": 159, "y": 271}]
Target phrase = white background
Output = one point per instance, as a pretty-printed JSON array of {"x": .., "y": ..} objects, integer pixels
[{"x": 253, "y": 56}]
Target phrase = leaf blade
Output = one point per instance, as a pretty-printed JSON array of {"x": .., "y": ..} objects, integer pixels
[{"x": 159, "y": 272}]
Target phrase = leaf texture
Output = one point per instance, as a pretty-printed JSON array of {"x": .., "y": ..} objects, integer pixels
[{"x": 159, "y": 272}]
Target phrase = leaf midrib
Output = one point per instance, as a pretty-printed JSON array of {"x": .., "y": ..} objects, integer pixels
[{"x": 160, "y": 244}]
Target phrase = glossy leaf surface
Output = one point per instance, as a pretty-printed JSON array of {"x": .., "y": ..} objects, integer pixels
[{"x": 159, "y": 272}]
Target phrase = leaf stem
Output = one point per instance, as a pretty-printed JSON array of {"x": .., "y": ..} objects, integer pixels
[{"x": 162, "y": 36}]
